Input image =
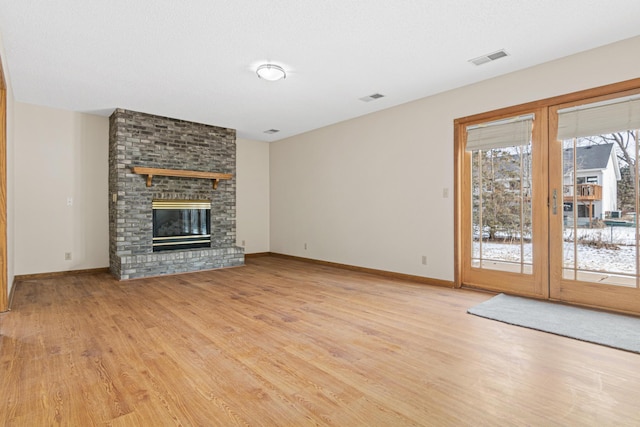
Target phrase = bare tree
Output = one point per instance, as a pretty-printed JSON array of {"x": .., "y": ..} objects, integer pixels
[
  {"x": 625, "y": 143},
  {"x": 502, "y": 191}
]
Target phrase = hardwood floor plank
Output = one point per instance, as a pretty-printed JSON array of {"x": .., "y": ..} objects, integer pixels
[{"x": 281, "y": 342}]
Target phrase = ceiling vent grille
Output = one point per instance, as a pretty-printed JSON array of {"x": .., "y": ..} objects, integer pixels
[
  {"x": 489, "y": 58},
  {"x": 271, "y": 131},
  {"x": 372, "y": 97}
]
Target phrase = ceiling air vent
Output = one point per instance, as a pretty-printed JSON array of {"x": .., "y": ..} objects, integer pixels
[
  {"x": 372, "y": 97},
  {"x": 272, "y": 131},
  {"x": 490, "y": 57}
]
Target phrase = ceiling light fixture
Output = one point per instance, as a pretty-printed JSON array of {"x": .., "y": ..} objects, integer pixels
[{"x": 271, "y": 72}]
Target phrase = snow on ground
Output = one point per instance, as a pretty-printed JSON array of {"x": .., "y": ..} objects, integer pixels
[{"x": 620, "y": 260}]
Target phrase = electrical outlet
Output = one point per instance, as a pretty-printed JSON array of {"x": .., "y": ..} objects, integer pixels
[
  {"x": 305, "y": 246},
  {"x": 424, "y": 260},
  {"x": 69, "y": 201},
  {"x": 243, "y": 244},
  {"x": 445, "y": 192},
  {"x": 67, "y": 256}
]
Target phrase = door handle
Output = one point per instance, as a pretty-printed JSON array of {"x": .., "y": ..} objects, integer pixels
[{"x": 554, "y": 204}]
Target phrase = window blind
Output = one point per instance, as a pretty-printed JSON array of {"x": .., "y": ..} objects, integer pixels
[
  {"x": 500, "y": 134},
  {"x": 599, "y": 118}
]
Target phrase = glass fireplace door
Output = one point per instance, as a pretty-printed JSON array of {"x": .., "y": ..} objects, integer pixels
[{"x": 181, "y": 224}]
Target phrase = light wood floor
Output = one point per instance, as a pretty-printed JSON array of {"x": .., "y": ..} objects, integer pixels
[{"x": 286, "y": 343}]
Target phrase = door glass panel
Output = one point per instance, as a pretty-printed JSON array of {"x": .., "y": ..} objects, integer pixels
[
  {"x": 501, "y": 179},
  {"x": 600, "y": 201}
]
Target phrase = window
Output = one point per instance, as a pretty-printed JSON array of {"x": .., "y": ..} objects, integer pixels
[{"x": 587, "y": 180}]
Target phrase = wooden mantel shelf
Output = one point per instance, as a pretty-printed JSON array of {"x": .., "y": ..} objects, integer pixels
[{"x": 151, "y": 172}]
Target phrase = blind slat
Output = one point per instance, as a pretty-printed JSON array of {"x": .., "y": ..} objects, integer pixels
[
  {"x": 500, "y": 135},
  {"x": 599, "y": 120}
]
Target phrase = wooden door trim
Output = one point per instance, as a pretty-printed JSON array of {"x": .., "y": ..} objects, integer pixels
[
  {"x": 534, "y": 284},
  {"x": 459, "y": 148},
  {"x": 578, "y": 96},
  {"x": 4, "y": 303},
  {"x": 592, "y": 294}
]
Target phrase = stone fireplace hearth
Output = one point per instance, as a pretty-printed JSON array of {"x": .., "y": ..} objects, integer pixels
[{"x": 146, "y": 141}]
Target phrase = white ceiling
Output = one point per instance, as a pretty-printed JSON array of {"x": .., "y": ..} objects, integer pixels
[{"x": 195, "y": 59}]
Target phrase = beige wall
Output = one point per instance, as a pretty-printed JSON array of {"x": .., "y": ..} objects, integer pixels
[
  {"x": 371, "y": 191},
  {"x": 59, "y": 156},
  {"x": 252, "y": 196},
  {"x": 366, "y": 192},
  {"x": 9, "y": 173}
]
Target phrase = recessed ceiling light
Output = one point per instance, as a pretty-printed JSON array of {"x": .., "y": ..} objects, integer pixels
[
  {"x": 371, "y": 97},
  {"x": 489, "y": 57},
  {"x": 271, "y": 72},
  {"x": 272, "y": 131}
]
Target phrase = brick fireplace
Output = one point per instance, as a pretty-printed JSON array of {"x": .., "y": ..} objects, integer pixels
[{"x": 139, "y": 140}]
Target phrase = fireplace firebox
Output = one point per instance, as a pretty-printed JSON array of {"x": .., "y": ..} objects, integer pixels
[{"x": 181, "y": 224}]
